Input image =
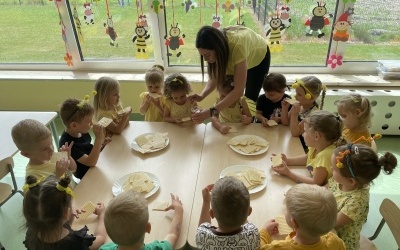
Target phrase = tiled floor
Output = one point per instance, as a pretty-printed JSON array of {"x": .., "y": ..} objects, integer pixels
[{"x": 385, "y": 186}]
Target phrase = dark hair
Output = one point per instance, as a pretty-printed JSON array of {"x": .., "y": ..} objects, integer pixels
[
  {"x": 365, "y": 163},
  {"x": 72, "y": 111},
  {"x": 212, "y": 38},
  {"x": 326, "y": 123},
  {"x": 227, "y": 85},
  {"x": 176, "y": 82},
  {"x": 274, "y": 82},
  {"x": 44, "y": 208}
]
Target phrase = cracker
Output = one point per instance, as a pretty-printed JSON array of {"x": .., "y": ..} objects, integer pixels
[
  {"x": 283, "y": 227},
  {"x": 186, "y": 119},
  {"x": 89, "y": 209},
  {"x": 141, "y": 140},
  {"x": 291, "y": 101},
  {"x": 124, "y": 110},
  {"x": 104, "y": 121},
  {"x": 276, "y": 160},
  {"x": 140, "y": 182},
  {"x": 248, "y": 144},
  {"x": 233, "y": 130},
  {"x": 160, "y": 205},
  {"x": 154, "y": 95},
  {"x": 58, "y": 156},
  {"x": 272, "y": 123},
  {"x": 251, "y": 177}
]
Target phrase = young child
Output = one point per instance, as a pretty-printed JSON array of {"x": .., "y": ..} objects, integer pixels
[
  {"x": 321, "y": 130},
  {"x": 354, "y": 167},
  {"x": 152, "y": 107},
  {"x": 230, "y": 205},
  {"x": 311, "y": 211},
  {"x": 308, "y": 89},
  {"x": 107, "y": 104},
  {"x": 178, "y": 107},
  {"x": 269, "y": 105},
  {"x": 355, "y": 112},
  {"x": 127, "y": 222},
  {"x": 34, "y": 141},
  {"x": 48, "y": 213},
  {"x": 77, "y": 117},
  {"x": 237, "y": 112}
]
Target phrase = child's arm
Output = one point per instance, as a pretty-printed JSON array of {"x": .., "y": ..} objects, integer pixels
[
  {"x": 176, "y": 224},
  {"x": 247, "y": 118},
  {"x": 168, "y": 118},
  {"x": 342, "y": 220},
  {"x": 61, "y": 167},
  {"x": 205, "y": 209},
  {"x": 269, "y": 228},
  {"x": 145, "y": 104},
  {"x": 67, "y": 148},
  {"x": 158, "y": 103},
  {"x": 223, "y": 129},
  {"x": 296, "y": 128},
  {"x": 90, "y": 160},
  {"x": 285, "y": 113},
  {"x": 117, "y": 128},
  {"x": 319, "y": 178},
  {"x": 300, "y": 160},
  {"x": 100, "y": 231}
]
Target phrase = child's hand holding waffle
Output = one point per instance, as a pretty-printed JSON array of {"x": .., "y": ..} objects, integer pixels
[{"x": 88, "y": 209}]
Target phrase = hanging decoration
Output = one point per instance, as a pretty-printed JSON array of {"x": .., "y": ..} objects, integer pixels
[
  {"x": 284, "y": 15},
  {"x": 175, "y": 41},
  {"x": 68, "y": 57},
  {"x": 78, "y": 24},
  {"x": 239, "y": 6},
  {"x": 318, "y": 21},
  {"x": 141, "y": 35},
  {"x": 88, "y": 13},
  {"x": 142, "y": 19},
  {"x": 110, "y": 31},
  {"x": 228, "y": 6},
  {"x": 274, "y": 33},
  {"x": 216, "y": 23},
  {"x": 341, "y": 28},
  {"x": 335, "y": 60},
  {"x": 188, "y": 4},
  {"x": 156, "y": 6},
  {"x": 201, "y": 14}
]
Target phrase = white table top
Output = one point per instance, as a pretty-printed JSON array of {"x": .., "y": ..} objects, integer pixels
[{"x": 8, "y": 119}]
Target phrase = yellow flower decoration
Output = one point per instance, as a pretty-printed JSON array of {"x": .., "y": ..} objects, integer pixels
[{"x": 94, "y": 92}]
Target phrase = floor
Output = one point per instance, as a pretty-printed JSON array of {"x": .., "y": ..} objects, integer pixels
[{"x": 385, "y": 186}]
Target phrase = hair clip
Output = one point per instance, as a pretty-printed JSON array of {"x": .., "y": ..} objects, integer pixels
[
  {"x": 347, "y": 154},
  {"x": 368, "y": 139},
  {"x": 177, "y": 80},
  {"x": 29, "y": 186},
  {"x": 68, "y": 190},
  {"x": 300, "y": 83}
]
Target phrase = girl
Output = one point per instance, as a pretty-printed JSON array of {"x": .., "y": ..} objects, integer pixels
[
  {"x": 107, "y": 104},
  {"x": 269, "y": 105},
  {"x": 237, "y": 112},
  {"x": 308, "y": 90},
  {"x": 321, "y": 130},
  {"x": 151, "y": 106},
  {"x": 355, "y": 112},
  {"x": 178, "y": 108},
  {"x": 354, "y": 167},
  {"x": 48, "y": 213}
]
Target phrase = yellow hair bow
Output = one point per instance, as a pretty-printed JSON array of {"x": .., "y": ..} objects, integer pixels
[
  {"x": 27, "y": 186},
  {"x": 177, "y": 80},
  {"x": 300, "y": 83},
  {"x": 68, "y": 190}
]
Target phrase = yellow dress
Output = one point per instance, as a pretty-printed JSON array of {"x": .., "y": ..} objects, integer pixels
[
  {"x": 152, "y": 113},
  {"x": 179, "y": 111}
]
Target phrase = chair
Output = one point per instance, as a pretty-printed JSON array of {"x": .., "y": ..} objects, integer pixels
[
  {"x": 391, "y": 216},
  {"x": 6, "y": 190}
]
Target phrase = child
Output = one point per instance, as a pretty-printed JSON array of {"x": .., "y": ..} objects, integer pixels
[
  {"x": 355, "y": 112},
  {"x": 321, "y": 130},
  {"x": 77, "y": 117},
  {"x": 107, "y": 104},
  {"x": 311, "y": 212},
  {"x": 354, "y": 167},
  {"x": 230, "y": 205},
  {"x": 237, "y": 112},
  {"x": 269, "y": 105},
  {"x": 34, "y": 141},
  {"x": 49, "y": 215},
  {"x": 151, "y": 107},
  {"x": 308, "y": 90},
  {"x": 127, "y": 222},
  {"x": 177, "y": 108}
]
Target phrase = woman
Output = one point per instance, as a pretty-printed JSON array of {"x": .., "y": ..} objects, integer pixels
[{"x": 237, "y": 51}]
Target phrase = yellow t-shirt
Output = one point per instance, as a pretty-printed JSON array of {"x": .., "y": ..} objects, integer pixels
[
  {"x": 233, "y": 114},
  {"x": 322, "y": 159},
  {"x": 179, "y": 111},
  {"x": 351, "y": 137},
  {"x": 152, "y": 113},
  {"x": 39, "y": 171},
  {"x": 329, "y": 241},
  {"x": 245, "y": 44}
]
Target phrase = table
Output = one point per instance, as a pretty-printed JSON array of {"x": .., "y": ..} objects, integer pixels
[
  {"x": 9, "y": 118},
  {"x": 217, "y": 155},
  {"x": 176, "y": 166}
]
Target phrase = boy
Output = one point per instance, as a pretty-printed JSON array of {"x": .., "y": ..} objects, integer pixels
[
  {"x": 311, "y": 211},
  {"x": 77, "y": 117},
  {"x": 34, "y": 141},
  {"x": 230, "y": 205},
  {"x": 127, "y": 221}
]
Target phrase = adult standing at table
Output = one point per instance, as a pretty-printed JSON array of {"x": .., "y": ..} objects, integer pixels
[{"x": 234, "y": 50}]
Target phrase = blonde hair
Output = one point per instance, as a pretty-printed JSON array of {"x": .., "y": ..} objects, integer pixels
[
  {"x": 352, "y": 102},
  {"x": 230, "y": 201},
  {"x": 315, "y": 86},
  {"x": 155, "y": 75},
  {"x": 27, "y": 133},
  {"x": 325, "y": 122},
  {"x": 313, "y": 207},
  {"x": 126, "y": 217},
  {"x": 104, "y": 86},
  {"x": 176, "y": 82}
]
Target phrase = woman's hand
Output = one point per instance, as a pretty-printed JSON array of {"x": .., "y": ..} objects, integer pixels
[
  {"x": 201, "y": 116},
  {"x": 196, "y": 98}
]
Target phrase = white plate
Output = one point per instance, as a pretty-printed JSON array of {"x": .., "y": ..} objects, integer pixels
[
  {"x": 118, "y": 184},
  {"x": 254, "y": 153},
  {"x": 136, "y": 147},
  {"x": 241, "y": 168}
]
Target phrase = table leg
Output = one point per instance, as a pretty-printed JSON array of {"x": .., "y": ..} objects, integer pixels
[{"x": 54, "y": 131}]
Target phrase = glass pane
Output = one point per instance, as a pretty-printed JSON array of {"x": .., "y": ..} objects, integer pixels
[
  {"x": 30, "y": 32},
  {"x": 375, "y": 33},
  {"x": 107, "y": 31}
]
